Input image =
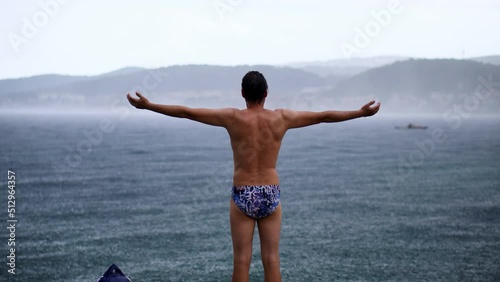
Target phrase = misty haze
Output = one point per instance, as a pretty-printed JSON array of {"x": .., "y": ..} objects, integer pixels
[{"x": 410, "y": 86}]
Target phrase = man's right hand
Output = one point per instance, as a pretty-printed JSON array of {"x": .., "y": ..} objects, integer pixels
[
  {"x": 141, "y": 103},
  {"x": 369, "y": 110}
]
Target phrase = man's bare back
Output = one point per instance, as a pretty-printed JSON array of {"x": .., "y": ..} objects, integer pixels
[{"x": 256, "y": 134}]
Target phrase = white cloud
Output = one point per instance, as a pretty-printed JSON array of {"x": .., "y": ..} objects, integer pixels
[{"x": 90, "y": 37}]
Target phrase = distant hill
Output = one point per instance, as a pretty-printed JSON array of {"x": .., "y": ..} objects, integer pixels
[
  {"x": 495, "y": 60},
  {"x": 349, "y": 67},
  {"x": 37, "y": 83},
  {"x": 426, "y": 84},
  {"x": 199, "y": 78},
  {"x": 420, "y": 77},
  {"x": 345, "y": 67},
  {"x": 409, "y": 86},
  {"x": 185, "y": 82}
]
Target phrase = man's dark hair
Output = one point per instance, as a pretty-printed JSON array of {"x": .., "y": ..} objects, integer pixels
[{"x": 254, "y": 87}]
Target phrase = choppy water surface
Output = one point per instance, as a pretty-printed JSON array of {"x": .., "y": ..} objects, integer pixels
[{"x": 361, "y": 200}]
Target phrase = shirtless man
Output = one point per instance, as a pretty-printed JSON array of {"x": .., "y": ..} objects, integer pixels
[{"x": 256, "y": 134}]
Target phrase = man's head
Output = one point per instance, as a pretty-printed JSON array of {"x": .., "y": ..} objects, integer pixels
[{"x": 254, "y": 87}]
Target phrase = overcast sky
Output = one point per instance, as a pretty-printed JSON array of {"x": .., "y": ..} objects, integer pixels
[{"x": 91, "y": 37}]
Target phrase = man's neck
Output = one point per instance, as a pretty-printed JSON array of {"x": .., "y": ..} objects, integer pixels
[{"x": 255, "y": 106}]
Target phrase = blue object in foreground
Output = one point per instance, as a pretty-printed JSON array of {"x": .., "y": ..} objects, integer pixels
[{"x": 114, "y": 274}]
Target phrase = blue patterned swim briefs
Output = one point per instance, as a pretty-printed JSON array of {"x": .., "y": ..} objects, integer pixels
[{"x": 256, "y": 201}]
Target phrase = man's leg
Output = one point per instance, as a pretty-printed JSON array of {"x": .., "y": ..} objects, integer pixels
[
  {"x": 269, "y": 233},
  {"x": 242, "y": 228}
]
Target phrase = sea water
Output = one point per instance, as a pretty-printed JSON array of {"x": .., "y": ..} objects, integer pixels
[{"x": 361, "y": 200}]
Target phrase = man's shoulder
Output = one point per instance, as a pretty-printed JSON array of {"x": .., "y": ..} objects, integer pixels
[
  {"x": 280, "y": 111},
  {"x": 284, "y": 112},
  {"x": 231, "y": 111},
  {"x": 267, "y": 112}
]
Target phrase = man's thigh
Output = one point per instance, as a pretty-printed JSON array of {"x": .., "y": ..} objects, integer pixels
[
  {"x": 242, "y": 229},
  {"x": 269, "y": 231}
]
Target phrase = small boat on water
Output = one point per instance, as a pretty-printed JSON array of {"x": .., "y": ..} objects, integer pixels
[{"x": 411, "y": 126}]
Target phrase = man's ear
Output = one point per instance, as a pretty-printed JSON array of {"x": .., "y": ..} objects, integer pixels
[
  {"x": 242, "y": 95},
  {"x": 265, "y": 95}
]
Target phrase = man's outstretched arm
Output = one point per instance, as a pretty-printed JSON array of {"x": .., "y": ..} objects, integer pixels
[
  {"x": 296, "y": 119},
  {"x": 216, "y": 117}
]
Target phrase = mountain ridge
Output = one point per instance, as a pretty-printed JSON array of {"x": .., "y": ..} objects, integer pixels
[{"x": 435, "y": 84}]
